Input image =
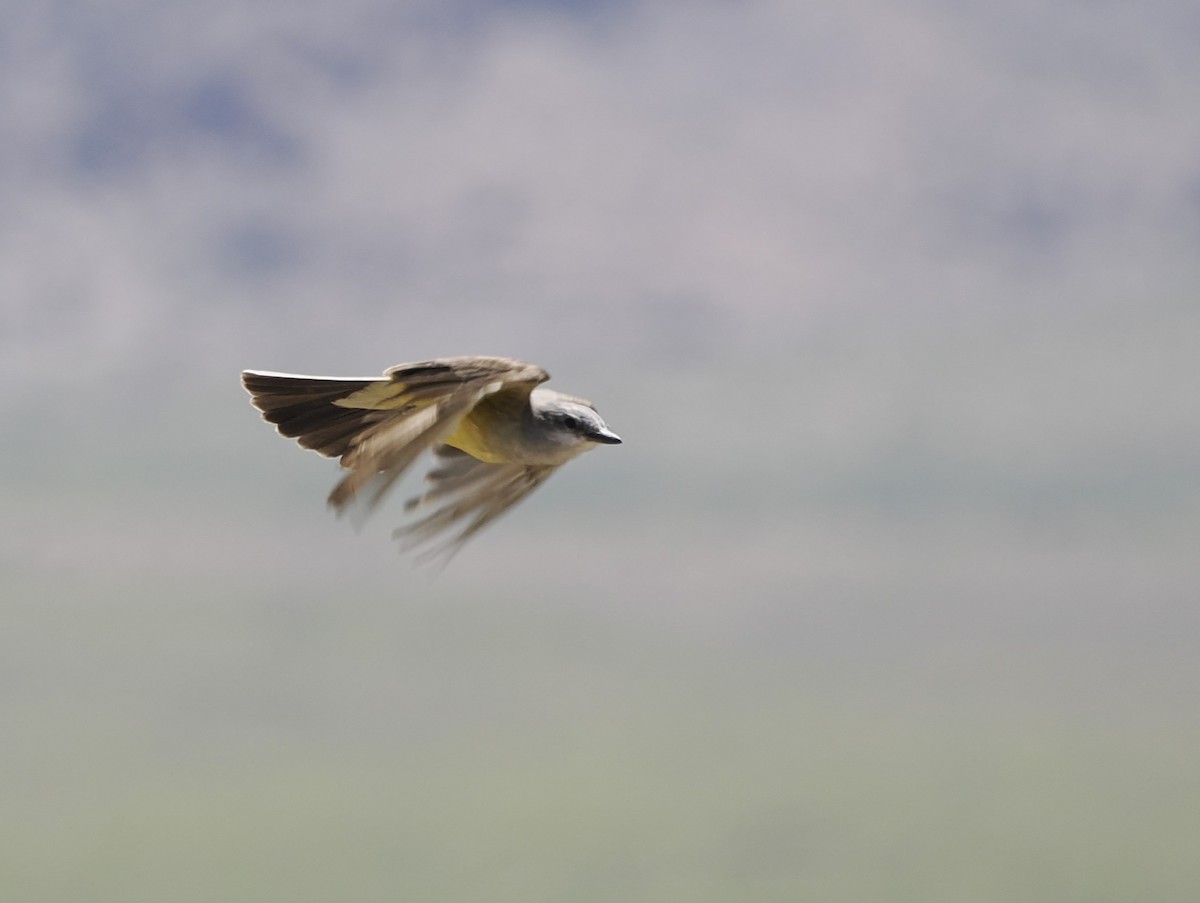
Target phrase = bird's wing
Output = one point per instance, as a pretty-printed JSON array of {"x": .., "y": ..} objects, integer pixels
[
  {"x": 471, "y": 494},
  {"x": 378, "y": 427}
]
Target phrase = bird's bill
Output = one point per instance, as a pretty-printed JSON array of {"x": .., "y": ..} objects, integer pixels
[{"x": 605, "y": 437}]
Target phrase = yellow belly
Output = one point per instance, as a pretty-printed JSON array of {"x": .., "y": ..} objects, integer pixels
[{"x": 470, "y": 439}]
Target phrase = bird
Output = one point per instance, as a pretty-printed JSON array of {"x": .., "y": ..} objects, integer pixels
[{"x": 496, "y": 434}]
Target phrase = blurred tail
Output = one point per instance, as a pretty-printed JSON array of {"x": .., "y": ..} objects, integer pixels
[{"x": 302, "y": 408}]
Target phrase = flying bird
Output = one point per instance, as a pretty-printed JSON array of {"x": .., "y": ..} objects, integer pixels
[{"x": 496, "y": 434}]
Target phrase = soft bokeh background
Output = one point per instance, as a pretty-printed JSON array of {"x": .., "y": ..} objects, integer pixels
[{"x": 891, "y": 593}]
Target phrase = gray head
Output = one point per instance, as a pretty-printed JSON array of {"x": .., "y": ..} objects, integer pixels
[{"x": 569, "y": 421}]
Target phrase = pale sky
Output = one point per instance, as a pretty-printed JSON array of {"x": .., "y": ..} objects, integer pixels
[
  {"x": 939, "y": 255},
  {"x": 270, "y": 178}
]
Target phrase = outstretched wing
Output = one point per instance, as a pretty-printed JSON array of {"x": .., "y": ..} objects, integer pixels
[
  {"x": 378, "y": 426},
  {"x": 471, "y": 494}
]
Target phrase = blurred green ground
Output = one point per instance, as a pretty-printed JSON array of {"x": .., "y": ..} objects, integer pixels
[
  {"x": 882, "y": 662},
  {"x": 217, "y": 742}
]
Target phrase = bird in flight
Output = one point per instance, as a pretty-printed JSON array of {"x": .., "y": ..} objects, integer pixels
[{"x": 495, "y": 431}]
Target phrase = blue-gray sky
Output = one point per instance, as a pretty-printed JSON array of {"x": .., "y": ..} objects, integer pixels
[
  {"x": 469, "y": 174},
  {"x": 937, "y": 258}
]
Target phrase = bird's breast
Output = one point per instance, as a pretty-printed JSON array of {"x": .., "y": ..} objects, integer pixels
[
  {"x": 477, "y": 440},
  {"x": 501, "y": 434}
]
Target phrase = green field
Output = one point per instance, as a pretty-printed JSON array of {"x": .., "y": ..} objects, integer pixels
[
  {"x": 227, "y": 739},
  {"x": 884, "y": 675}
]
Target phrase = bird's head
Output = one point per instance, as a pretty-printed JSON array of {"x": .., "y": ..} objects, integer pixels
[{"x": 570, "y": 421}]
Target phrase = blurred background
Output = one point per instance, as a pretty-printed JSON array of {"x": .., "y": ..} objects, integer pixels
[{"x": 891, "y": 593}]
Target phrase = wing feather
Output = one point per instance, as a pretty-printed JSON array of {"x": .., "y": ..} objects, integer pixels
[{"x": 473, "y": 494}]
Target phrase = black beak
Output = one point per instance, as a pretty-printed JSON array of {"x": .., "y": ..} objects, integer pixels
[{"x": 605, "y": 437}]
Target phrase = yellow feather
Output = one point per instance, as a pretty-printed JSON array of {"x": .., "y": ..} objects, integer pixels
[
  {"x": 384, "y": 395},
  {"x": 470, "y": 439}
]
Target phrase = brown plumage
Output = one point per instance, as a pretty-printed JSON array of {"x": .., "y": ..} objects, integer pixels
[{"x": 496, "y": 434}]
